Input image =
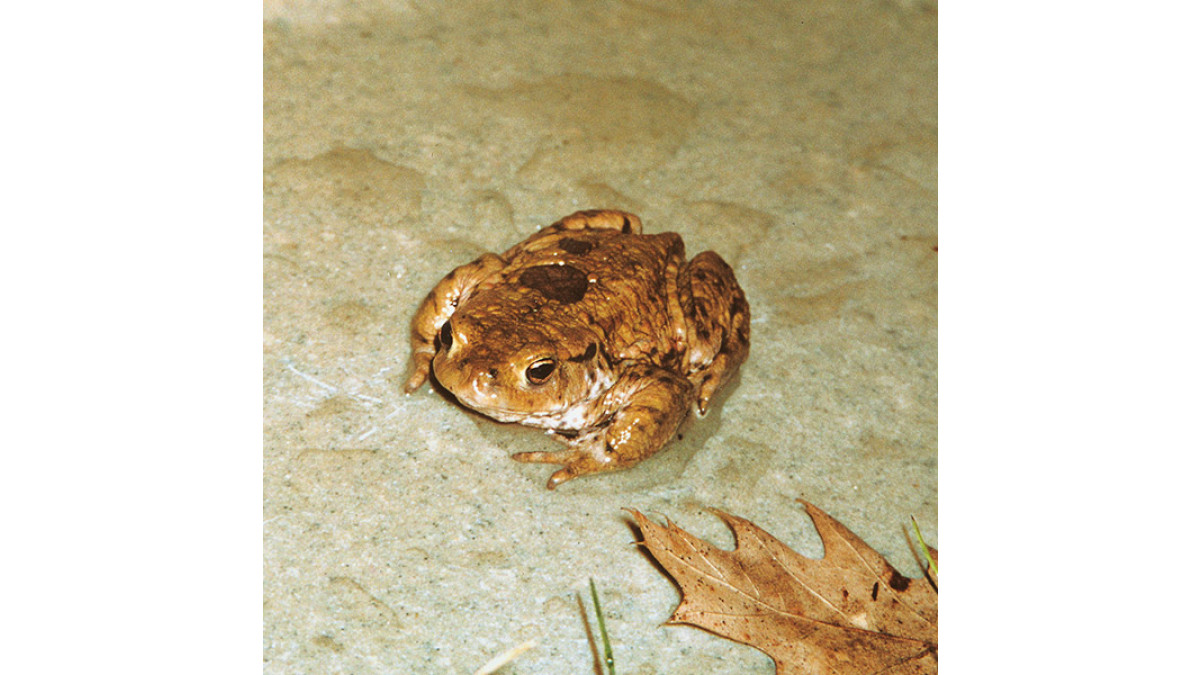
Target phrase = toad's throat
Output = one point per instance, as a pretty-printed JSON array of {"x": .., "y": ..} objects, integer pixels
[{"x": 565, "y": 417}]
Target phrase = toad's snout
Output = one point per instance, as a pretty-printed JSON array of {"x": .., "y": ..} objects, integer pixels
[
  {"x": 485, "y": 386},
  {"x": 472, "y": 387}
]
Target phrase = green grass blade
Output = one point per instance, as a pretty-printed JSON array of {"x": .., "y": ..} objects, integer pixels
[
  {"x": 608, "y": 654},
  {"x": 924, "y": 548}
]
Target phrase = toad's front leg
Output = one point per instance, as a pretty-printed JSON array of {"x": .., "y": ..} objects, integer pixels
[
  {"x": 639, "y": 415},
  {"x": 437, "y": 308}
]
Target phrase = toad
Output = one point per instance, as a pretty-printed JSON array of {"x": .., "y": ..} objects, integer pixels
[{"x": 591, "y": 330}]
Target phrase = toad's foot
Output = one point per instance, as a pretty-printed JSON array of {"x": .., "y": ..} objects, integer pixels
[{"x": 576, "y": 462}]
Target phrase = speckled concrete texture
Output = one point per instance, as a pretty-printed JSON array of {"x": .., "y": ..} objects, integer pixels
[{"x": 798, "y": 140}]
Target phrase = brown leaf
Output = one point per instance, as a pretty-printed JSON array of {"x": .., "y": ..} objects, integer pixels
[{"x": 848, "y": 612}]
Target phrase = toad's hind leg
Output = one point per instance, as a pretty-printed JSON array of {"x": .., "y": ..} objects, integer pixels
[
  {"x": 718, "y": 324},
  {"x": 599, "y": 219},
  {"x": 596, "y": 219}
]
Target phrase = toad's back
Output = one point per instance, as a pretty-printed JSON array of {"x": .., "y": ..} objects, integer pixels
[{"x": 623, "y": 286}]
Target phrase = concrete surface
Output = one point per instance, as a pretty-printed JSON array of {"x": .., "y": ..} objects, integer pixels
[{"x": 799, "y": 140}]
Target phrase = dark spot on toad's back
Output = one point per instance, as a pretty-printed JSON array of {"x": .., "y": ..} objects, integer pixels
[
  {"x": 557, "y": 282},
  {"x": 575, "y": 246},
  {"x": 585, "y": 356},
  {"x": 875, "y": 591}
]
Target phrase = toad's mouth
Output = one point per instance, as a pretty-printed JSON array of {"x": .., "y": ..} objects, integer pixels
[
  {"x": 493, "y": 404},
  {"x": 505, "y": 413},
  {"x": 495, "y": 412}
]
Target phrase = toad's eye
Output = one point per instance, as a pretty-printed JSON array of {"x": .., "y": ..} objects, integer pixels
[
  {"x": 446, "y": 336},
  {"x": 540, "y": 372}
]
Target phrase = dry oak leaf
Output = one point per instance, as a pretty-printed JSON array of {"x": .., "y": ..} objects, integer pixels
[{"x": 848, "y": 612}]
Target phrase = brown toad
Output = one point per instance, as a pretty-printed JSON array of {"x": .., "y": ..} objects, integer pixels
[{"x": 589, "y": 329}]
